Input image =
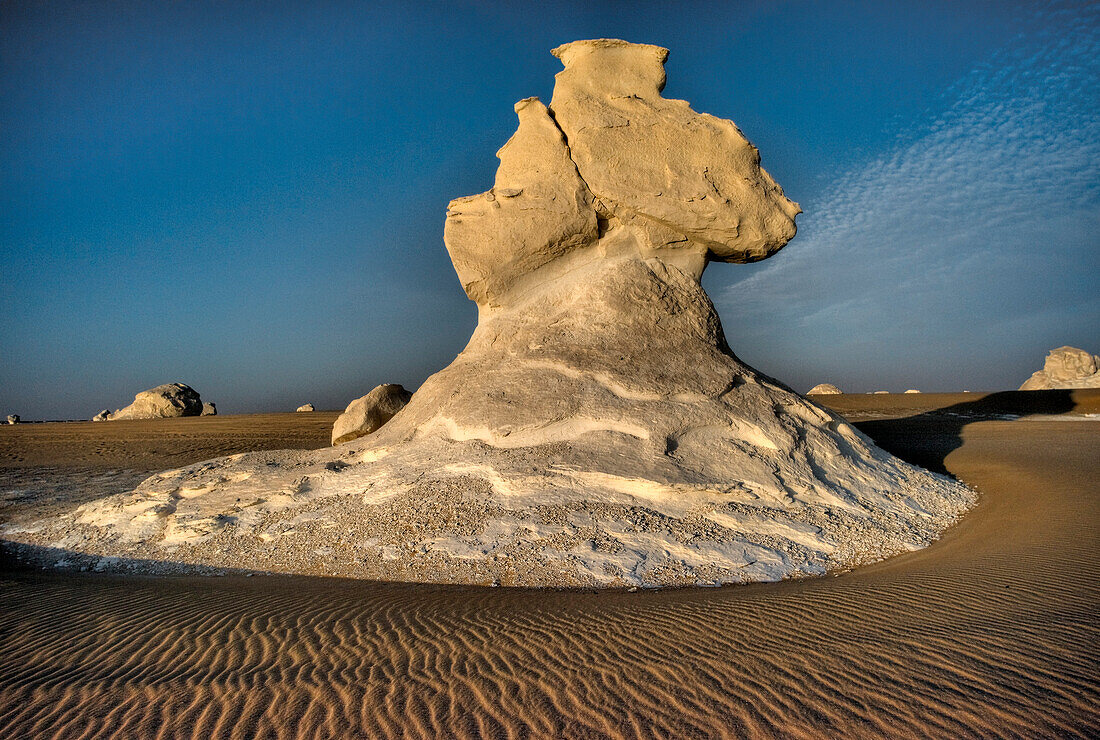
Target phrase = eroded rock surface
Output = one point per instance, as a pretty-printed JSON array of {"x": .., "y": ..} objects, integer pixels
[
  {"x": 824, "y": 389},
  {"x": 209, "y": 409},
  {"x": 163, "y": 402},
  {"x": 597, "y": 429},
  {"x": 1066, "y": 367},
  {"x": 367, "y": 414}
]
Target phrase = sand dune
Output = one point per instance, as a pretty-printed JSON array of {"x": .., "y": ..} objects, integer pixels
[{"x": 991, "y": 631}]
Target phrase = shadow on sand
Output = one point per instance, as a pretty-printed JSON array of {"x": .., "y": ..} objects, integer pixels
[{"x": 926, "y": 439}]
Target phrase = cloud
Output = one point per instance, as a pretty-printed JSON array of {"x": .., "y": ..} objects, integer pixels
[{"x": 973, "y": 223}]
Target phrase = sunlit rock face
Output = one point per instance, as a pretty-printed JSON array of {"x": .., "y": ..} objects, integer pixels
[
  {"x": 1066, "y": 367},
  {"x": 164, "y": 401},
  {"x": 597, "y": 429}
]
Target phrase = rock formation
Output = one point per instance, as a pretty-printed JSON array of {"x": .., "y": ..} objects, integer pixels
[
  {"x": 597, "y": 429},
  {"x": 13, "y": 418},
  {"x": 305, "y": 407},
  {"x": 164, "y": 401},
  {"x": 1066, "y": 367},
  {"x": 209, "y": 409},
  {"x": 912, "y": 390},
  {"x": 104, "y": 415},
  {"x": 824, "y": 389},
  {"x": 367, "y": 414}
]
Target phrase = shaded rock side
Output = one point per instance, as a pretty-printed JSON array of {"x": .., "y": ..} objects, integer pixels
[
  {"x": 367, "y": 414},
  {"x": 163, "y": 402},
  {"x": 1066, "y": 367},
  {"x": 596, "y": 430},
  {"x": 824, "y": 389},
  {"x": 209, "y": 409}
]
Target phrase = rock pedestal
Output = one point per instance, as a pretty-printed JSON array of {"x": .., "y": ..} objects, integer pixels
[{"x": 597, "y": 429}]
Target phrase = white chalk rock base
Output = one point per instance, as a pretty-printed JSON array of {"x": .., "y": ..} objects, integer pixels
[{"x": 601, "y": 434}]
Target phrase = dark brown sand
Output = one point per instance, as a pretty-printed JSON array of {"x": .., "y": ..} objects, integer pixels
[{"x": 992, "y": 631}]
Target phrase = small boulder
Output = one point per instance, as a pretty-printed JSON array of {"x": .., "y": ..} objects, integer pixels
[
  {"x": 1066, "y": 367},
  {"x": 209, "y": 409},
  {"x": 365, "y": 415},
  {"x": 305, "y": 407},
  {"x": 104, "y": 415},
  {"x": 824, "y": 389},
  {"x": 13, "y": 418},
  {"x": 163, "y": 402},
  {"x": 912, "y": 390}
]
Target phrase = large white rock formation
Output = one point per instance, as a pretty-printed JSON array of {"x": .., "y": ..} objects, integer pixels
[
  {"x": 824, "y": 389},
  {"x": 597, "y": 429},
  {"x": 163, "y": 402},
  {"x": 1066, "y": 367}
]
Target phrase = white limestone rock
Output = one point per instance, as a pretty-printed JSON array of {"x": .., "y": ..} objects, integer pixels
[
  {"x": 596, "y": 430},
  {"x": 824, "y": 389},
  {"x": 104, "y": 415},
  {"x": 305, "y": 407},
  {"x": 912, "y": 390},
  {"x": 163, "y": 402},
  {"x": 367, "y": 414},
  {"x": 1066, "y": 367},
  {"x": 209, "y": 409},
  {"x": 13, "y": 418}
]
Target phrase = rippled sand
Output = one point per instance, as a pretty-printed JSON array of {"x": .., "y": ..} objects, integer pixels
[{"x": 992, "y": 631}]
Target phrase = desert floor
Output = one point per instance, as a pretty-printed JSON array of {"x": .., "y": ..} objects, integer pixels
[{"x": 992, "y": 631}]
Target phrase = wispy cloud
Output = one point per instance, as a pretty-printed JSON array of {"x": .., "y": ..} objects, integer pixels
[{"x": 964, "y": 249}]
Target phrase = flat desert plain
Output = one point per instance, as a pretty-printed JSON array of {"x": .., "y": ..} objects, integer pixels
[{"x": 994, "y": 630}]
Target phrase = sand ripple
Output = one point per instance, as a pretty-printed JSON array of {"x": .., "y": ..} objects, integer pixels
[{"x": 990, "y": 632}]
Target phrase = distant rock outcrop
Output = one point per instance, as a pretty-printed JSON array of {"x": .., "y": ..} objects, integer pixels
[
  {"x": 163, "y": 402},
  {"x": 305, "y": 407},
  {"x": 209, "y": 409},
  {"x": 367, "y": 414},
  {"x": 13, "y": 418},
  {"x": 824, "y": 389},
  {"x": 597, "y": 430},
  {"x": 104, "y": 415},
  {"x": 1066, "y": 367},
  {"x": 912, "y": 390}
]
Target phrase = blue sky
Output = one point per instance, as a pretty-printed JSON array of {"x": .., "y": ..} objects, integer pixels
[{"x": 249, "y": 197}]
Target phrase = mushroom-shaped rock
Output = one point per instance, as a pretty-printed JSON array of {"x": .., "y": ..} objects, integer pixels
[
  {"x": 824, "y": 389},
  {"x": 104, "y": 415},
  {"x": 163, "y": 402},
  {"x": 368, "y": 413},
  {"x": 305, "y": 407},
  {"x": 209, "y": 409},
  {"x": 13, "y": 418},
  {"x": 1066, "y": 367},
  {"x": 596, "y": 429}
]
